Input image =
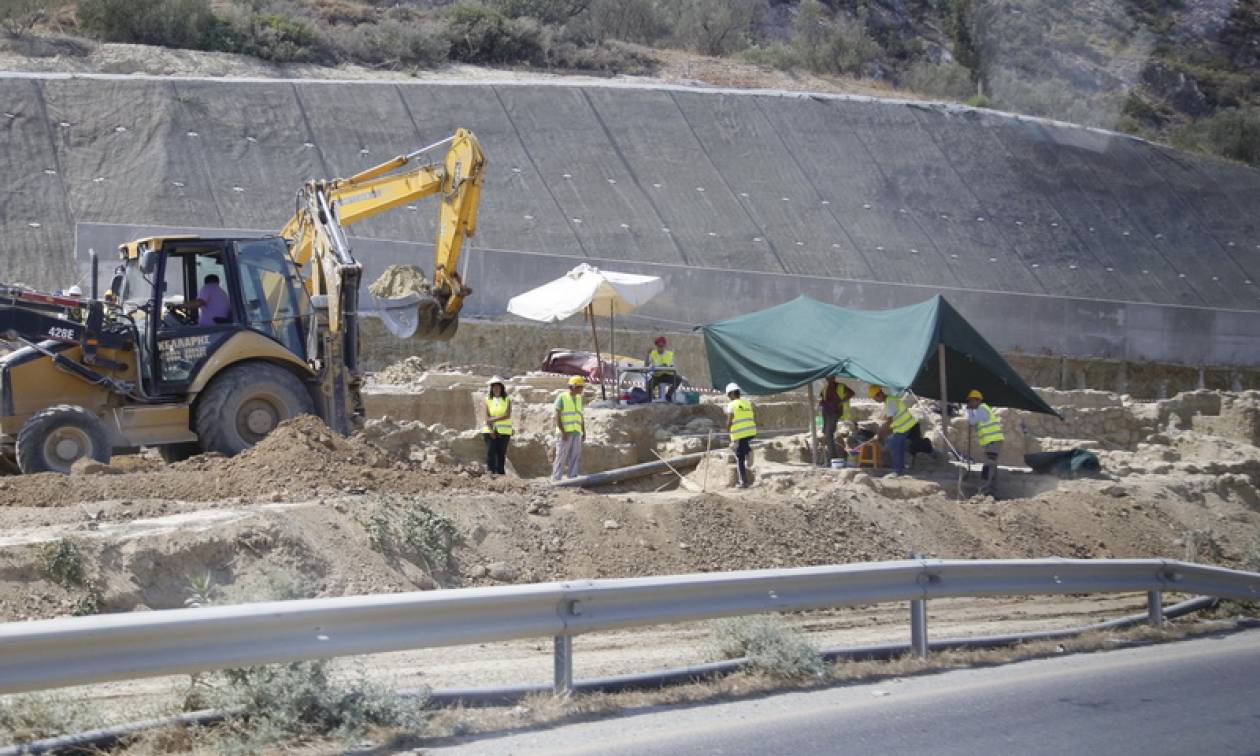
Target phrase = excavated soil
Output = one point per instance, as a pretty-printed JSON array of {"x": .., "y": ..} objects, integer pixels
[
  {"x": 399, "y": 281},
  {"x": 298, "y": 514}
]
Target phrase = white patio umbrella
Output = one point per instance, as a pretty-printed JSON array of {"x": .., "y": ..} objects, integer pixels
[{"x": 589, "y": 289}]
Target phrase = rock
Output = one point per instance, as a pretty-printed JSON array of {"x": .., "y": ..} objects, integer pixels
[
  {"x": 501, "y": 571},
  {"x": 611, "y": 525},
  {"x": 478, "y": 534},
  {"x": 478, "y": 571},
  {"x": 88, "y": 466}
]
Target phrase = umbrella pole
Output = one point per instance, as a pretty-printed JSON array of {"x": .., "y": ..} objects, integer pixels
[
  {"x": 612, "y": 351},
  {"x": 813, "y": 427},
  {"x": 599, "y": 361},
  {"x": 940, "y": 361}
]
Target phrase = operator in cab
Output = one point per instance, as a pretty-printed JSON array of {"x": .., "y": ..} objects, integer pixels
[{"x": 213, "y": 304}]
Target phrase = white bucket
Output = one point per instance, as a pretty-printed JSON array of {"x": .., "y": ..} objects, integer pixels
[{"x": 838, "y": 463}]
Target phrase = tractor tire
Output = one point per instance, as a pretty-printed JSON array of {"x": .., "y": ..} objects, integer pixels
[
  {"x": 246, "y": 402},
  {"x": 54, "y": 439},
  {"x": 172, "y": 453}
]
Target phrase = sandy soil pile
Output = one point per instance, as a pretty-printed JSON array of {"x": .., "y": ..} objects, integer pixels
[
  {"x": 295, "y": 516},
  {"x": 399, "y": 281}
]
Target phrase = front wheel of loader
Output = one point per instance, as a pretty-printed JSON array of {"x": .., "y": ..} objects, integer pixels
[
  {"x": 246, "y": 402},
  {"x": 54, "y": 439}
]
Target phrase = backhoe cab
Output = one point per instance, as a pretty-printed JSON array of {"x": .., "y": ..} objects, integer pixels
[{"x": 205, "y": 344}]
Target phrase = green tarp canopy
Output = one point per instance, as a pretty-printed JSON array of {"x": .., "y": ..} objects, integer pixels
[{"x": 805, "y": 340}]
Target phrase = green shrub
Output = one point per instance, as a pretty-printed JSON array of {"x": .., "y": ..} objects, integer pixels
[
  {"x": 714, "y": 27},
  {"x": 63, "y": 563},
  {"x": 945, "y": 80},
  {"x": 410, "y": 530},
  {"x": 35, "y": 717},
  {"x": 1233, "y": 133},
  {"x": 277, "y": 703},
  {"x": 390, "y": 43},
  {"x": 775, "y": 55},
  {"x": 278, "y": 38},
  {"x": 839, "y": 45},
  {"x": 479, "y": 34},
  {"x": 768, "y": 646},
  {"x": 21, "y": 15},
  {"x": 607, "y": 57},
  {"x": 631, "y": 20},
  {"x": 546, "y": 11},
  {"x": 184, "y": 24}
]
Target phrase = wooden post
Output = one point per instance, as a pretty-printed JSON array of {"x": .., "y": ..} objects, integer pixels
[
  {"x": 599, "y": 361},
  {"x": 940, "y": 361},
  {"x": 813, "y": 426}
]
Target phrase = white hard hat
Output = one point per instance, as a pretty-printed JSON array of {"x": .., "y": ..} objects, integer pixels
[
  {"x": 74, "y": 291},
  {"x": 732, "y": 387},
  {"x": 495, "y": 380}
]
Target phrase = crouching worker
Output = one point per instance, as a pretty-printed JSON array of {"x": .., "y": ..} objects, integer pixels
[
  {"x": 661, "y": 360},
  {"x": 741, "y": 421},
  {"x": 498, "y": 430},
  {"x": 898, "y": 421},
  {"x": 572, "y": 430},
  {"x": 989, "y": 431}
]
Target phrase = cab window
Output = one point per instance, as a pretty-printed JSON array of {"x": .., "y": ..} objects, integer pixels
[{"x": 272, "y": 293}]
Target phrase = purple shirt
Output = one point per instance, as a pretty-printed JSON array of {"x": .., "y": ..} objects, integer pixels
[{"x": 217, "y": 304}]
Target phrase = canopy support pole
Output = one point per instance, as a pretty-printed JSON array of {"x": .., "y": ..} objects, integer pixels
[
  {"x": 612, "y": 351},
  {"x": 813, "y": 426},
  {"x": 940, "y": 361},
  {"x": 599, "y": 360}
]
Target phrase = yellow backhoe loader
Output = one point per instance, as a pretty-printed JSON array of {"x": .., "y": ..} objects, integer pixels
[{"x": 207, "y": 344}]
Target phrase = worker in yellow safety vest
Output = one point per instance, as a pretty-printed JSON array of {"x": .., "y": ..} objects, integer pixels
[
  {"x": 741, "y": 420},
  {"x": 572, "y": 429},
  {"x": 898, "y": 421},
  {"x": 498, "y": 428},
  {"x": 661, "y": 361},
  {"x": 835, "y": 407},
  {"x": 989, "y": 433}
]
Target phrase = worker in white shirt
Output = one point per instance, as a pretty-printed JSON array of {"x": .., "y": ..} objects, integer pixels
[{"x": 989, "y": 433}]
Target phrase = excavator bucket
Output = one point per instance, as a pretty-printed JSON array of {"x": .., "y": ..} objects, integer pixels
[
  {"x": 401, "y": 315},
  {"x": 418, "y": 315}
]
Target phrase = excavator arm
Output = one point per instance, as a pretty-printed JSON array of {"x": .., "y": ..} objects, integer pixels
[{"x": 325, "y": 208}]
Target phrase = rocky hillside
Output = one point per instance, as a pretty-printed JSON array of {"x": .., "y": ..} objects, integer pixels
[{"x": 1181, "y": 71}]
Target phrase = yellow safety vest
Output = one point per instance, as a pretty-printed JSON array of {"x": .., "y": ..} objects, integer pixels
[
  {"x": 498, "y": 406},
  {"x": 571, "y": 413},
  {"x": 743, "y": 419},
  {"x": 990, "y": 432},
  {"x": 656, "y": 359},
  {"x": 902, "y": 421}
]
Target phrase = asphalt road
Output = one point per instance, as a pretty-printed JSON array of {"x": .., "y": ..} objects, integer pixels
[{"x": 1191, "y": 697}]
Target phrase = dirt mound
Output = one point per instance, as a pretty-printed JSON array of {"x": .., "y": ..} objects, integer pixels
[
  {"x": 406, "y": 371},
  {"x": 399, "y": 281}
]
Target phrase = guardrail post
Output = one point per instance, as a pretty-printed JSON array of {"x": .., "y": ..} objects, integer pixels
[
  {"x": 1155, "y": 608},
  {"x": 918, "y": 628},
  {"x": 563, "y": 658},
  {"x": 918, "y": 623}
]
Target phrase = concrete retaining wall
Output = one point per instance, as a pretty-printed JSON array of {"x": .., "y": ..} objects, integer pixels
[{"x": 1050, "y": 238}]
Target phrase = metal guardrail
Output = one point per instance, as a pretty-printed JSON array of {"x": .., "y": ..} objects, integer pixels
[{"x": 53, "y": 653}]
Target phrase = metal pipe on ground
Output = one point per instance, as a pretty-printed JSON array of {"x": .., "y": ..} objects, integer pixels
[{"x": 630, "y": 473}]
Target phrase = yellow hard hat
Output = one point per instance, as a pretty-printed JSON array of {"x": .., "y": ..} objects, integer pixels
[
  {"x": 577, "y": 380},
  {"x": 874, "y": 391},
  {"x": 974, "y": 394}
]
